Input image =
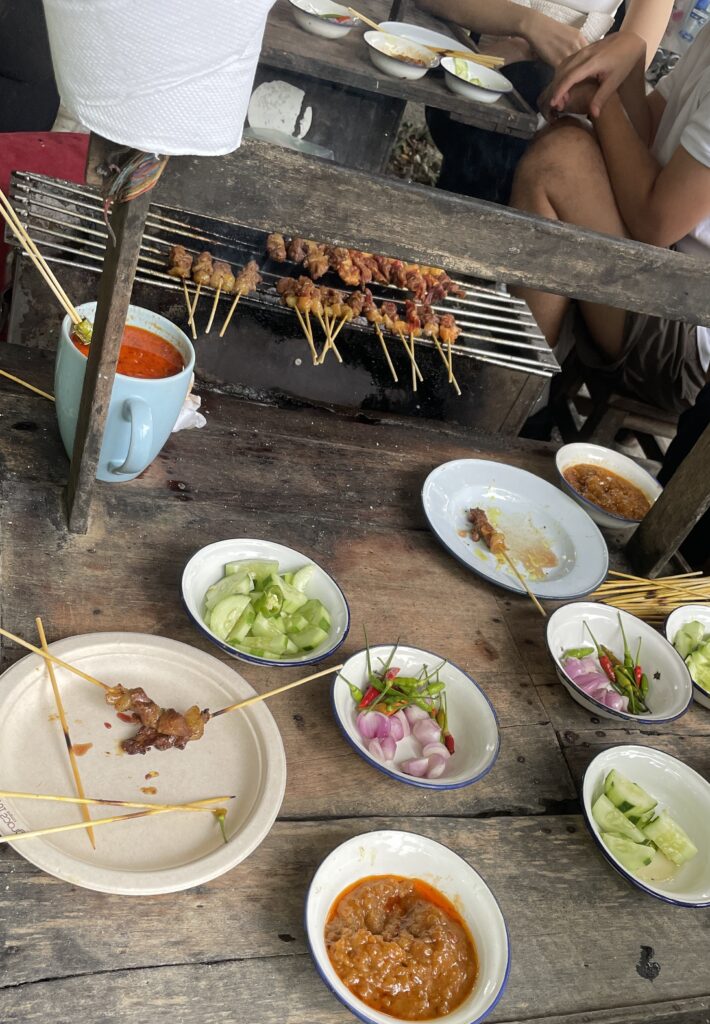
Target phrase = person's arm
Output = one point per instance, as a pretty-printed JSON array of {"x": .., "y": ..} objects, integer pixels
[
  {"x": 659, "y": 205},
  {"x": 648, "y": 19},
  {"x": 550, "y": 39}
]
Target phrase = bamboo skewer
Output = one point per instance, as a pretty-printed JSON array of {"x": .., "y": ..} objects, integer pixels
[
  {"x": 190, "y": 320},
  {"x": 196, "y": 805},
  {"x": 414, "y": 364},
  {"x": 25, "y": 384},
  {"x": 653, "y": 600},
  {"x": 20, "y": 232},
  {"x": 524, "y": 582},
  {"x": 383, "y": 343},
  {"x": 56, "y": 661},
  {"x": 446, "y": 364},
  {"x": 208, "y": 328},
  {"x": 272, "y": 693},
  {"x": 230, "y": 314},
  {"x": 65, "y": 729},
  {"x": 194, "y": 305},
  {"x": 95, "y": 821},
  {"x": 307, "y": 334}
]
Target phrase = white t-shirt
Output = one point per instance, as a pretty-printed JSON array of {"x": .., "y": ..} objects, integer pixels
[
  {"x": 593, "y": 18},
  {"x": 686, "y": 122}
]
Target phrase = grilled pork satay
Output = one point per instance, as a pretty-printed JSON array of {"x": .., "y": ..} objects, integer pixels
[
  {"x": 296, "y": 250},
  {"x": 295, "y": 296},
  {"x": 245, "y": 282},
  {"x": 317, "y": 260},
  {"x": 161, "y": 728},
  {"x": 179, "y": 261},
  {"x": 276, "y": 247},
  {"x": 481, "y": 529},
  {"x": 376, "y": 318},
  {"x": 222, "y": 280},
  {"x": 202, "y": 268}
]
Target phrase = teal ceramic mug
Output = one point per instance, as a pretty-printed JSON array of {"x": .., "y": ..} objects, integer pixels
[{"x": 142, "y": 412}]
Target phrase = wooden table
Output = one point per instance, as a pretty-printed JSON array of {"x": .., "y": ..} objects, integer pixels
[
  {"x": 352, "y": 109},
  {"x": 347, "y": 493}
]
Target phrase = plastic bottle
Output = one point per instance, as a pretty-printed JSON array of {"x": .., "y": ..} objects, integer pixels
[{"x": 696, "y": 20}]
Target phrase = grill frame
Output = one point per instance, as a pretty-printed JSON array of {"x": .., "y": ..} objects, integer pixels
[{"x": 65, "y": 220}]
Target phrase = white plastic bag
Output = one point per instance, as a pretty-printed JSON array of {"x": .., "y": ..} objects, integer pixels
[{"x": 165, "y": 77}]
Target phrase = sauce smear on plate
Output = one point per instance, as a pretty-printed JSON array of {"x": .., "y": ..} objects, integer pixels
[
  {"x": 608, "y": 490},
  {"x": 401, "y": 947},
  {"x": 143, "y": 354}
]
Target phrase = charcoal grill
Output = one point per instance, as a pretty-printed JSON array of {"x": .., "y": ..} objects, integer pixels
[{"x": 66, "y": 221}]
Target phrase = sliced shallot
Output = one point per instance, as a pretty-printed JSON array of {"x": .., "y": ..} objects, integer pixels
[
  {"x": 437, "y": 764},
  {"x": 427, "y": 730},
  {"x": 373, "y": 724},
  {"x": 406, "y": 728},
  {"x": 435, "y": 748},
  {"x": 384, "y": 749},
  {"x": 416, "y": 766},
  {"x": 414, "y": 713}
]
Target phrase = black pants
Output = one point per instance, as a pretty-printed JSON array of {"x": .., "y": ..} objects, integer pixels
[
  {"x": 480, "y": 163},
  {"x": 690, "y": 426},
  {"x": 28, "y": 95}
]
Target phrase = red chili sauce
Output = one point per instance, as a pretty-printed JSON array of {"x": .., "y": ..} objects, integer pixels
[{"x": 143, "y": 354}]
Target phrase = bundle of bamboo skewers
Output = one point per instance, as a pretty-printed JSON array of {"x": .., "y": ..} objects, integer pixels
[{"x": 653, "y": 600}]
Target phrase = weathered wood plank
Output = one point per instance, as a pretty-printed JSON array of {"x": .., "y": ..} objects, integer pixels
[
  {"x": 235, "y": 948},
  {"x": 114, "y": 296},
  {"x": 348, "y": 207}
]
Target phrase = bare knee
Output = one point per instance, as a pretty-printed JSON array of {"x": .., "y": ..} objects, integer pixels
[{"x": 563, "y": 148}]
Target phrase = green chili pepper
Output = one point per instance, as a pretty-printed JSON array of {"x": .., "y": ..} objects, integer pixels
[
  {"x": 270, "y": 603},
  {"x": 644, "y": 685},
  {"x": 628, "y": 658},
  {"x": 435, "y": 689},
  {"x": 356, "y": 694},
  {"x": 578, "y": 652}
]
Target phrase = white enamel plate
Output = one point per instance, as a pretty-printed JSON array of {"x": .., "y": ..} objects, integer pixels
[
  {"x": 536, "y": 518},
  {"x": 241, "y": 753}
]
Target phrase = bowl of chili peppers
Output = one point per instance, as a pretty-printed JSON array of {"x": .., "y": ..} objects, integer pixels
[
  {"x": 616, "y": 665},
  {"x": 416, "y": 717}
]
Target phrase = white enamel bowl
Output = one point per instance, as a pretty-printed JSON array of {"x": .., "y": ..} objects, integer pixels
[
  {"x": 207, "y": 567},
  {"x": 410, "y": 855},
  {"x": 492, "y": 84},
  {"x": 472, "y": 720},
  {"x": 395, "y": 56},
  {"x": 311, "y": 16},
  {"x": 593, "y": 454},
  {"x": 678, "y": 789},
  {"x": 668, "y": 697},
  {"x": 678, "y": 618}
]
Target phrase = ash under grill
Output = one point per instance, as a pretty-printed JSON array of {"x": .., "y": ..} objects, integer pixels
[{"x": 66, "y": 222}]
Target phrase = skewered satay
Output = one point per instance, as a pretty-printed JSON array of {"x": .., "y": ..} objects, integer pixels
[
  {"x": 449, "y": 331},
  {"x": 430, "y": 329},
  {"x": 375, "y": 317},
  {"x": 481, "y": 529},
  {"x": 276, "y": 247},
  {"x": 289, "y": 290},
  {"x": 392, "y": 323},
  {"x": 414, "y": 330},
  {"x": 161, "y": 728},
  {"x": 180, "y": 265},
  {"x": 245, "y": 282},
  {"x": 222, "y": 279},
  {"x": 201, "y": 274}
]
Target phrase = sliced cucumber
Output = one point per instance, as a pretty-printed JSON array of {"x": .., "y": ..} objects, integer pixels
[
  {"x": 287, "y": 577},
  {"x": 671, "y": 839},
  {"x": 265, "y": 627},
  {"x": 308, "y": 639},
  {"x": 293, "y": 599},
  {"x": 271, "y": 644},
  {"x": 610, "y": 820},
  {"x": 644, "y": 819},
  {"x": 302, "y": 578},
  {"x": 659, "y": 870},
  {"x": 632, "y": 856},
  {"x": 258, "y": 569},
  {"x": 627, "y": 796},
  {"x": 296, "y": 622},
  {"x": 226, "y": 614},
  {"x": 244, "y": 624},
  {"x": 316, "y": 613},
  {"x": 239, "y": 583}
]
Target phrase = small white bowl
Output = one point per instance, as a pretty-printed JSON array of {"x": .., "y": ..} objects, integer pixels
[
  {"x": 399, "y": 58},
  {"x": 492, "y": 84},
  {"x": 678, "y": 618},
  {"x": 472, "y": 720},
  {"x": 207, "y": 567},
  {"x": 311, "y": 16},
  {"x": 412, "y": 856},
  {"x": 678, "y": 789},
  {"x": 593, "y": 454},
  {"x": 668, "y": 697}
]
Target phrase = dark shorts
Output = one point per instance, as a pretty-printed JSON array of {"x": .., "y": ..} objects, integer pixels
[{"x": 660, "y": 363}]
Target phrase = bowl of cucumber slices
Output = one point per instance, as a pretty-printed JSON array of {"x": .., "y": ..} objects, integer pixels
[
  {"x": 265, "y": 603},
  {"x": 650, "y": 815}
]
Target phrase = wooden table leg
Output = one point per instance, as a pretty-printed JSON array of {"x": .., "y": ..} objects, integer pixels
[
  {"x": 684, "y": 501},
  {"x": 114, "y": 296}
]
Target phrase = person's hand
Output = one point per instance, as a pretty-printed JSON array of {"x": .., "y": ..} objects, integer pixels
[
  {"x": 552, "y": 41},
  {"x": 606, "y": 63},
  {"x": 579, "y": 100}
]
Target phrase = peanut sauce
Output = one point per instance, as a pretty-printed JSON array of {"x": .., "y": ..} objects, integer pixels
[
  {"x": 401, "y": 947},
  {"x": 608, "y": 491},
  {"x": 143, "y": 354}
]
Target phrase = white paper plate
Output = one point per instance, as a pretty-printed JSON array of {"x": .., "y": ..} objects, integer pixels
[
  {"x": 241, "y": 753},
  {"x": 423, "y": 36},
  {"x": 525, "y": 503}
]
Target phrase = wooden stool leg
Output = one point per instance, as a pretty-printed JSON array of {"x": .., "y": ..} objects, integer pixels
[
  {"x": 115, "y": 285},
  {"x": 683, "y": 502}
]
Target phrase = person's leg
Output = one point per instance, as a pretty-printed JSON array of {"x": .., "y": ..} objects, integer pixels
[{"x": 563, "y": 177}]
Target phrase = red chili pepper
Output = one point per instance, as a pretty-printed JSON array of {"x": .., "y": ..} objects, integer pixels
[
  {"x": 391, "y": 674},
  {"x": 371, "y": 693},
  {"x": 638, "y": 673},
  {"x": 607, "y": 667},
  {"x": 449, "y": 743}
]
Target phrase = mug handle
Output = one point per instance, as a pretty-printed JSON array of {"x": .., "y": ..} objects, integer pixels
[{"x": 138, "y": 414}]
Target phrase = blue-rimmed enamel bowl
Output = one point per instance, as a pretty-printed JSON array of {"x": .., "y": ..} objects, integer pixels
[
  {"x": 681, "y": 617},
  {"x": 679, "y": 790},
  {"x": 207, "y": 567},
  {"x": 670, "y": 688},
  {"x": 472, "y": 720},
  {"x": 413, "y": 856}
]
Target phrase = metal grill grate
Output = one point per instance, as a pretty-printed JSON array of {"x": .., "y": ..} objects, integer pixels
[{"x": 66, "y": 222}]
